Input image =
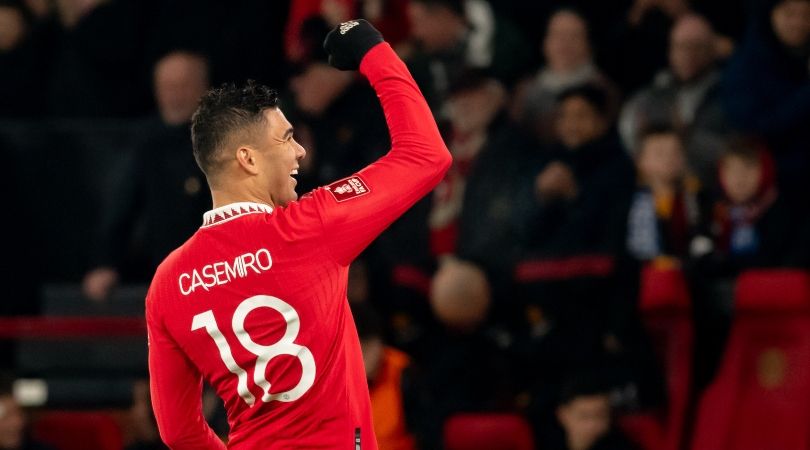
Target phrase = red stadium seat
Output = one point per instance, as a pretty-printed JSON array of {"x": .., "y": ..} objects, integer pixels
[
  {"x": 760, "y": 398},
  {"x": 74, "y": 430},
  {"x": 470, "y": 431},
  {"x": 645, "y": 430},
  {"x": 665, "y": 309}
]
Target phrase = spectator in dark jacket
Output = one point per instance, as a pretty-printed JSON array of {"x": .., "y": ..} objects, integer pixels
[
  {"x": 579, "y": 190},
  {"x": 160, "y": 199},
  {"x": 767, "y": 88},
  {"x": 465, "y": 368},
  {"x": 569, "y": 278},
  {"x": 474, "y": 208}
]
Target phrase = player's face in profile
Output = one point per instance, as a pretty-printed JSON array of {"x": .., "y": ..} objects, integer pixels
[{"x": 280, "y": 155}]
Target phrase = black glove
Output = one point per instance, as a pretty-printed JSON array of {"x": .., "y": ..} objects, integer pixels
[{"x": 349, "y": 42}]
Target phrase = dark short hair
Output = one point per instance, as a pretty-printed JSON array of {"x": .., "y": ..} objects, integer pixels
[
  {"x": 746, "y": 147},
  {"x": 469, "y": 80},
  {"x": 595, "y": 95},
  {"x": 224, "y": 112},
  {"x": 658, "y": 129}
]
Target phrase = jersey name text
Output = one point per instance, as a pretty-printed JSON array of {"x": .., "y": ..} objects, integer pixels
[{"x": 223, "y": 272}]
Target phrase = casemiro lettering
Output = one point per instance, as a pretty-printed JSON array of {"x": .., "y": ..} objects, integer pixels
[{"x": 223, "y": 272}]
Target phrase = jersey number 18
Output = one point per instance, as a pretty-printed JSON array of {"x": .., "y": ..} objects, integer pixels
[{"x": 264, "y": 353}]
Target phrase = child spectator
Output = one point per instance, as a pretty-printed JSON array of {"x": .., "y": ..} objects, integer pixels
[
  {"x": 752, "y": 226},
  {"x": 664, "y": 213}
]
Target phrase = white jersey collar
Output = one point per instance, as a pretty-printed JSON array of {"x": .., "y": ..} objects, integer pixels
[{"x": 232, "y": 211}]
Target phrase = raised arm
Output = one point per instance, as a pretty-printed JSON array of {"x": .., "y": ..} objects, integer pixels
[{"x": 357, "y": 209}]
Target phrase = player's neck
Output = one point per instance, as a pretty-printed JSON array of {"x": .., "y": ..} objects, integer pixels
[{"x": 224, "y": 197}]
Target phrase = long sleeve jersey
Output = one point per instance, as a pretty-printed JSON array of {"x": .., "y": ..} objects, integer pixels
[{"x": 254, "y": 303}]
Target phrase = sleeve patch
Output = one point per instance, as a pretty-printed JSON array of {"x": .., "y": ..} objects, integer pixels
[{"x": 348, "y": 188}]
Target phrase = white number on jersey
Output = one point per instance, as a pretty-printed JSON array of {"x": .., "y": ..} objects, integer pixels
[{"x": 264, "y": 353}]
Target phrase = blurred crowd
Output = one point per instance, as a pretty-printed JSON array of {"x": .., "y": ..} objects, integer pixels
[{"x": 590, "y": 140}]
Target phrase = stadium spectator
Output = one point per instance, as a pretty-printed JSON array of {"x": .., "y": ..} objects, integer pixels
[
  {"x": 25, "y": 52},
  {"x": 586, "y": 173},
  {"x": 585, "y": 416},
  {"x": 576, "y": 311},
  {"x": 463, "y": 344},
  {"x": 684, "y": 95},
  {"x": 385, "y": 370},
  {"x": 161, "y": 195},
  {"x": 452, "y": 36},
  {"x": 766, "y": 87},
  {"x": 14, "y": 421},
  {"x": 473, "y": 108},
  {"x": 664, "y": 213},
  {"x": 460, "y": 296},
  {"x": 476, "y": 209},
  {"x": 752, "y": 225},
  {"x": 569, "y": 62}
]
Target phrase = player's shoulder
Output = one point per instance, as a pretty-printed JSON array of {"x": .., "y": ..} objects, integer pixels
[
  {"x": 300, "y": 219},
  {"x": 174, "y": 260}
]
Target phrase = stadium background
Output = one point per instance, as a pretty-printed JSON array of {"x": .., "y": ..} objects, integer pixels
[{"x": 595, "y": 247}]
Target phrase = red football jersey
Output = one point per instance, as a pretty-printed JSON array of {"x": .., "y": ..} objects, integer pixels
[{"x": 255, "y": 302}]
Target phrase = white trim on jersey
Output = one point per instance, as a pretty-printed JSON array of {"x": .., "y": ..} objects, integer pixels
[{"x": 232, "y": 211}]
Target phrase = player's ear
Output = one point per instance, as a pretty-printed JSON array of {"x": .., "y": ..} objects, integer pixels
[{"x": 248, "y": 160}]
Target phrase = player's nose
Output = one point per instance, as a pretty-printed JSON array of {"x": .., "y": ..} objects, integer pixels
[{"x": 300, "y": 151}]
